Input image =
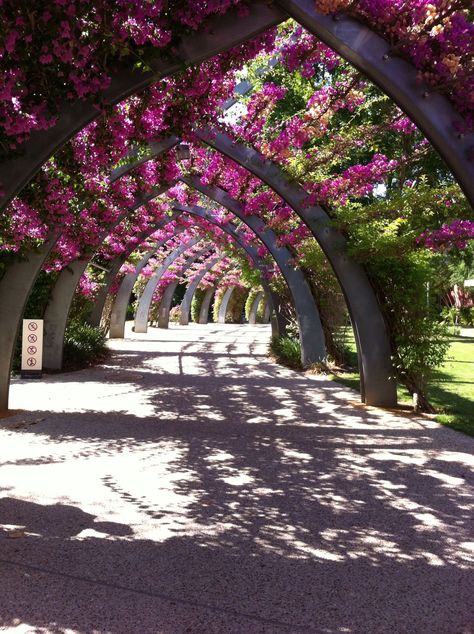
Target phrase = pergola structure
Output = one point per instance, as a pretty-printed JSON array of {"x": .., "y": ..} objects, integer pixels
[{"x": 357, "y": 43}]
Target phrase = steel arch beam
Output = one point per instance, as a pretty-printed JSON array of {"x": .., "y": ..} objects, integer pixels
[
  {"x": 309, "y": 324},
  {"x": 224, "y": 304},
  {"x": 60, "y": 301},
  {"x": 57, "y": 311},
  {"x": 156, "y": 149},
  {"x": 206, "y": 305},
  {"x": 191, "y": 290},
  {"x": 266, "y": 313},
  {"x": 218, "y": 34},
  {"x": 278, "y": 325},
  {"x": 141, "y": 317},
  {"x": 15, "y": 287},
  {"x": 254, "y": 308},
  {"x": 95, "y": 316},
  {"x": 146, "y": 298},
  {"x": 370, "y": 53},
  {"x": 62, "y": 293},
  {"x": 230, "y": 229},
  {"x": 377, "y": 384},
  {"x": 118, "y": 313},
  {"x": 117, "y": 324},
  {"x": 118, "y": 316},
  {"x": 165, "y": 303},
  {"x": 293, "y": 282}
]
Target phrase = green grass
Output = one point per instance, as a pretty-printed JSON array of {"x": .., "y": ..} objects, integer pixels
[{"x": 451, "y": 389}]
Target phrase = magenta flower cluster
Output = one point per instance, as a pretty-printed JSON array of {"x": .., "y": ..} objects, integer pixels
[{"x": 452, "y": 235}]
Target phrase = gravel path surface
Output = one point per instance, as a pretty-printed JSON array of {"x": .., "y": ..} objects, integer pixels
[{"x": 190, "y": 485}]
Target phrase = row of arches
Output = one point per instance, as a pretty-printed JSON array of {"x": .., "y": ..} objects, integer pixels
[
  {"x": 365, "y": 50},
  {"x": 371, "y": 336}
]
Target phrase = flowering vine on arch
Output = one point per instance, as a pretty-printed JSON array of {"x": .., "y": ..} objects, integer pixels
[{"x": 310, "y": 112}]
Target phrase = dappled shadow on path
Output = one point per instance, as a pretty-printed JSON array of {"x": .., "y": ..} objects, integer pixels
[{"x": 262, "y": 501}]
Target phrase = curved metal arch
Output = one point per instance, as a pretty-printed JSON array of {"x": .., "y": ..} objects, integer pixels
[
  {"x": 266, "y": 312},
  {"x": 95, "y": 316},
  {"x": 431, "y": 115},
  {"x": 370, "y": 53},
  {"x": 191, "y": 290},
  {"x": 57, "y": 312},
  {"x": 309, "y": 324},
  {"x": 376, "y": 372},
  {"x": 15, "y": 288},
  {"x": 167, "y": 298},
  {"x": 225, "y": 304},
  {"x": 156, "y": 149},
  {"x": 206, "y": 305},
  {"x": 312, "y": 347},
  {"x": 377, "y": 384},
  {"x": 118, "y": 313},
  {"x": 165, "y": 305},
  {"x": 62, "y": 293},
  {"x": 60, "y": 301},
  {"x": 278, "y": 324},
  {"x": 254, "y": 308},
  {"x": 117, "y": 322},
  {"x": 117, "y": 325},
  {"x": 356, "y": 43},
  {"x": 233, "y": 231},
  {"x": 217, "y": 34},
  {"x": 146, "y": 298}
]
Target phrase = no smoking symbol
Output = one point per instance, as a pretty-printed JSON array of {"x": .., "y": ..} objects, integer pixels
[
  {"x": 33, "y": 326},
  {"x": 32, "y": 338},
  {"x": 31, "y": 362},
  {"x": 32, "y": 350}
]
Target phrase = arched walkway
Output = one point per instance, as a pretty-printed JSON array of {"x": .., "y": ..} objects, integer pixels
[{"x": 206, "y": 489}]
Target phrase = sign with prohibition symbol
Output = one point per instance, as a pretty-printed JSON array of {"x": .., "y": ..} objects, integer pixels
[{"x": 32, "y": 348}]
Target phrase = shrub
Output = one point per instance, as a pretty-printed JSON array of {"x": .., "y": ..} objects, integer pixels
[
  {"x": 287, "y": 351},
  {"x": 466, "y": 316},
  {"x": 84, "y": 345}
]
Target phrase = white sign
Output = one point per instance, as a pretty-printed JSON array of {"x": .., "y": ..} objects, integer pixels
[
  {"x": 32, "y": 346},
  {"x": 468, "y": 283}
]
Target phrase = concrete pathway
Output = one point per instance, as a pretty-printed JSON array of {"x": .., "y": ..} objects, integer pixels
[{"x": 189, "y": 485}]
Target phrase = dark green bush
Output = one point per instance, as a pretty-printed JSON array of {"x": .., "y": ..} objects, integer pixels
[
  {"x": 84, "y": 345},
  {"x": 287, "y": 351}
]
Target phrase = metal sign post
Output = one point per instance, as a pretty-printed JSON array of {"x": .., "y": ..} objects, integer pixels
[{"x": 32, "y": 349}]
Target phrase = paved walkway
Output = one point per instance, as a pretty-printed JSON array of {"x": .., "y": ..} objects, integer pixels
[{"x": 190, "y": 485}]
